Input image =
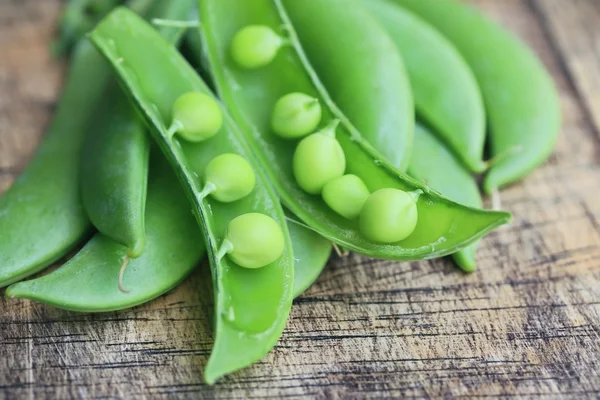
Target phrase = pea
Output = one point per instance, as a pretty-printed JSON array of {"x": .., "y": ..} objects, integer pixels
[
  {"x": 295, "y": 115},
  {"x": 389, "y": 215},
  {"x": 196, "y": 117},
  {"x": 346, "y": 195},
  {"x": 255, "y": 46},
  {"x": 253, "y": 241},
  {"x": 228, "y": 177},
  {"x": 318, "y": 159}
]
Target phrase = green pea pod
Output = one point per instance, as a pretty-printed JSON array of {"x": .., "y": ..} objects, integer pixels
[
  {"x": 114, "y": 172},
  {"x": 443, "y": 226},
  {"x": 87, "y": 282},
  {"x": 252, "y": 306},
  {"x": 521, "y": 99},
  {"x": 361, "y": 69},
  {"x": 114, "y": 168},
  {"x": 41, "y": 216},
  {"x": 446, "y": 93},
  {"x": 433, "y": 164}
]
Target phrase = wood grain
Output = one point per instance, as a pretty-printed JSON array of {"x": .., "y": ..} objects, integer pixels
[{"x": 525, "y": 325}]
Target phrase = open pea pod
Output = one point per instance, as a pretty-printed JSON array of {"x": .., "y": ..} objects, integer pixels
[
  {"x": 521, "y": 99},
  {"x": 443, "y": 226},
  {"x": 87, "y": 282},
  {"x": 251, "y": 305},
  {"x": 362, "y": 71}
]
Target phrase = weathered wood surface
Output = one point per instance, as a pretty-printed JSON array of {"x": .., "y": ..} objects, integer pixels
[{"x": 526, "y": 324}]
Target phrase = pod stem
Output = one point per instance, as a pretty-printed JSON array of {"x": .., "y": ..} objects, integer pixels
[
  {"x": 342, "y": 253},
  {"x": 226, "y": 247},
  {"x": 174, "y": 23},
  {"x": 208, "y": 189},
  {"x": 122, "y": 273},
  {"x": 496, "y": 200},
  {"x": 175, "y": 127}
]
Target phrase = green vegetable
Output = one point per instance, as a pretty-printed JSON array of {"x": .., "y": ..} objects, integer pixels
[
  {"x": 520, "y": 97},
  {"x": 435, "y": 165},
  {"x": 295, "y": 115},
  {"x": 254, "y": 240},
  {"x": 229, "y": 177},
  {"x": 443, "y": 227},
  {"x": 445, "y": 90},
  {"x": 255, "y": 46},
  {"x": 87, "y": 282},
  {"x": 196, "y": 117},
  {"x": 360, "y": 67},
  {"x": 346, "y": 195},
  {"x": 318, "y": 159},
  {"x": 251, "y": 305},
  {"x": 389, "y": 215}
]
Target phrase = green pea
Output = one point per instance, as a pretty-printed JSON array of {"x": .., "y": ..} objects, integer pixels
[
  {"x": 295, "y": 115},
  {"x": 228, "y": 177},
  {"x": 346, "y": 195},
  {"x": 255, "y": 46},
  {"x": 318, "y": 159},
  {"x": 196, "y": 117},
  {"x": 389, "y": 215},
  {"x": 253, "y": 241}
]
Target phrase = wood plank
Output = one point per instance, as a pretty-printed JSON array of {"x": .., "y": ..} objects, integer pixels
[{"x": 525, "y": 325}]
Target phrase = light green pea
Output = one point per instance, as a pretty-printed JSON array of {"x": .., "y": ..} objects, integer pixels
[
  {"x": 318, "y": 159},
  {"x": 228, "y": 177},
  {"x": 196, "y": 117},
  {"x": 255, "y": 46},
  {"x": 295, "y": 115},
  {"x": 389, "y": 215},
  {"x": 346, "y": 195},
  {"x": 253, "y": 241}
]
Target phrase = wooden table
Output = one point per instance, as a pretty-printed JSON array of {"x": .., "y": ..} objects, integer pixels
[{"x": 526, "y": 324}]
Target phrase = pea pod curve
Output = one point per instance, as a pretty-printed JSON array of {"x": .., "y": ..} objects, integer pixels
[
  {"x": 435, "y": 165},
  {"x": 252, "y": 306},
  {"x": 87, "y": 282},
  {"x": 361, "y": 70},
  {"x": 446, "y": 93},
  {"x": 444, "y": 226},
  {"x": 520, "y": 97}
]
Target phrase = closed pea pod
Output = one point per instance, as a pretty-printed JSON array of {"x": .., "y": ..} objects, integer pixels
[
  {"x": 435, "y": 165},
  {"x": 443, "y": 226},
  {"x": 445, "y": 90},
  {"x": 251, "y": 305},
  {"x": 520, "y": 98}
]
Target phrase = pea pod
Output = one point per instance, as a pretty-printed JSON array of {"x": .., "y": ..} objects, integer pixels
[
  {"x": 443, "y": 226},
  {"x": 361, "y": 69},
  {"x": 252, "y": 306},
  {"x": 87, "y": 282},
  {"x": 41, "y": 216},
  {"x": 521, "y": 99},
  {"x": 433, "y": 164},
  {"x": 446, "y": 93}
]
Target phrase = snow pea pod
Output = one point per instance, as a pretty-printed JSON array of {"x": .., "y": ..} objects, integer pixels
[
  {"x": 252, "y": 305},
  {"x": 361, "y": 69},
  {"x": 443, "y": 227},
  {"x": 446, "y": 93},
  {"x": 41, "y": 216},
  {"x": 87, "y": 282},
  {"x": 519, "y": 94},
  {"x": 433, "y": 164}
]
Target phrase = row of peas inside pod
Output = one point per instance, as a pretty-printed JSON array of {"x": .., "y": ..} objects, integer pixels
[
  {"x": 253, "y": 240},
  {"x": 386, "y": 216}
]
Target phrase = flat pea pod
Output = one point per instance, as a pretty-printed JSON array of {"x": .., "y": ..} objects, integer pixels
[
  {"x": 251, "y": 305},
  {"x": 444, "y": 226},
  {"x": 435, "y": 165},
  {"x": 362, "y": 70},
  {"x": 520, "y": 97},
  {"x": 87, "y": 282},
  {"x": 41, "y": 216},
  {"x": 445, "y": 90}
]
